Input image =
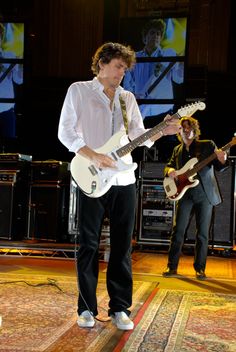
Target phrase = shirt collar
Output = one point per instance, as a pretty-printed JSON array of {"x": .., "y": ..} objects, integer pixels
[{"x": 98, "y": 86}]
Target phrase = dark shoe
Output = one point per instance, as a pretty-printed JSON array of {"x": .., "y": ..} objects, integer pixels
[
  {"x": 200, "y": 274},
  {"x": 169, "y": 272}
]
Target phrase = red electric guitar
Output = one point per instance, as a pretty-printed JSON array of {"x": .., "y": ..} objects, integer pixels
[{"x": 176, "y": 187}]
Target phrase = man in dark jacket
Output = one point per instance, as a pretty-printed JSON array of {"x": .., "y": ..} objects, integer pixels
[{"x": 195, "y": 188}]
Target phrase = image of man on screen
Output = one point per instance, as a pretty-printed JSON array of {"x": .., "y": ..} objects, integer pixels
[
  {"x": 154, "y": 79},
  {"x": 11, "y": 77}
]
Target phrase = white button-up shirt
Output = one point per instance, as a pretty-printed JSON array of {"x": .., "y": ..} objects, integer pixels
[{"x": 87, "y": 119}]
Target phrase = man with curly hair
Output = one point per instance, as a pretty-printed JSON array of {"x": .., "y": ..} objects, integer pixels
[
  {"x": 91, "y": 115},
  {"x": 201, "y": 198}
]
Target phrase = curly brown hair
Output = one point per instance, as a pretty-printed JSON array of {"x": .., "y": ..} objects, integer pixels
[
  {"x": 108, "y": 51},
  {"x": 157, "y": 24},
  {"x": 194, "y": 125}
]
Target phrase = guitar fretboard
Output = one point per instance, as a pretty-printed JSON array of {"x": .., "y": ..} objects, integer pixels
[
  {"x": 144, "y": 137},
  {"x": 198, "y": 166}
]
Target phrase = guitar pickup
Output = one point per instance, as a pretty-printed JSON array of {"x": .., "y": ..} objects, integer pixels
[
  {"x": 167, "y": 188},
  {"x": 114, "y": 156},
  {"x": 93, "y": 170}
]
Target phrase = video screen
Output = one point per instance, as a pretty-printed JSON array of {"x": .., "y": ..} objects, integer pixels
[
  {"x": 154, "y": 80},
  {"x": 174, "y": 31},
  {"x": 12, "y": 40},
  {"x": 11, "y": 75},
  {"x": 11, "y": 58},
  {"x": 7, "y": 121},
  {"x": 158, "y": 75}
]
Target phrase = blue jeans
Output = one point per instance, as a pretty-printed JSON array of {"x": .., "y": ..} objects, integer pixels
[{"x": 196, "y": 200}]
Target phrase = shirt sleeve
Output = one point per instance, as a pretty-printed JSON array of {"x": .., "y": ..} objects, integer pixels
[{"x": 67, "y": 131}]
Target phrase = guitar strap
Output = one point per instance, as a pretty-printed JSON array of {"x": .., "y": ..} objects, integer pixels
[{"x": 124, "y": 113}]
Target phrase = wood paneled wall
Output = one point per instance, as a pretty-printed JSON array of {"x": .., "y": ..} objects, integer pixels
[
  {"x": 209, "y": 34},
  {"x": 65, "y": 33}
]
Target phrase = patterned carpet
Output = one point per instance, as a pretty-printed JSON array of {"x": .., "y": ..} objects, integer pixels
[
  {"x": 181, "y": 321},
  {"x": 42, "y": 317},
  {"x": 39, "y": 314}
]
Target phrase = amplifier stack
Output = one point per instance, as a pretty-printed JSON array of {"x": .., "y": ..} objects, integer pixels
[
  {"x": 14, "y": 199},
  {"x": 155, "y": 211},
  {"x": 49, "y": 201},
  {"x": 34, "y": 201}
]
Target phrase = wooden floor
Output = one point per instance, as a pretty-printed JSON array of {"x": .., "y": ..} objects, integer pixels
[{"x": 147, "y": 265}]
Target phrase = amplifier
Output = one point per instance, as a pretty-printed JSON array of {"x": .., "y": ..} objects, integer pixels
[
  {"x": 156, "y": 213},
  {"x": 14, "y": 157},
  {"x": 158, "y": 219},
  {"x": 151, "y": 170},
  {"x": 15, "y": 161},
  {"x": 50, "y": 171},
  {"x": 48, "y": 212},
  {"x": 14, "y": 202},
  {"x": 8, "y": 176}
]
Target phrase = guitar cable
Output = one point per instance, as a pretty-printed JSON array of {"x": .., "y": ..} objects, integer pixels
[{"x": 93, "y": 187}]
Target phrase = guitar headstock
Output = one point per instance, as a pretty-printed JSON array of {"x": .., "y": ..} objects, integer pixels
[
  {"x": 190, "y": 109},
  {"x": 233, "y": 141}
]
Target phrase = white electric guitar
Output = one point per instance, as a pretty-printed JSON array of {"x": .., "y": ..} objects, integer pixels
[
  {"x": 176, "y": 187},
  {"x": 94, "y": 181}
]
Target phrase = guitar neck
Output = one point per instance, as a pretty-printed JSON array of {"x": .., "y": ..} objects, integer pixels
[
  {"x": 200, "y": 165},
  {"x": 128, "y": 148}
]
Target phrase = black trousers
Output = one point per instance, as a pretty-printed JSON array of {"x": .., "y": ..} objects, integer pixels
[{"x": 119, "y": 202}]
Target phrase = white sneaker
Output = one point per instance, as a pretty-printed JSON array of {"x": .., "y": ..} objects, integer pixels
[
  {"x": 86, "y": 320},
  {"x": 122, "y": 321}
]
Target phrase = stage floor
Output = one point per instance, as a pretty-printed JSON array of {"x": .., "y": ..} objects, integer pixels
[{"x": 46, "y": 291}]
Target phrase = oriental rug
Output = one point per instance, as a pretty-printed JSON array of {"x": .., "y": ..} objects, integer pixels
[
  {"x": 39, "y": 314},
  {"x": 181, "y": 321}
]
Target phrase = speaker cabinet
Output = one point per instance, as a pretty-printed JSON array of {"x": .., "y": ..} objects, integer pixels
[
  {"x": 222, "y": 230},
  {"x": 155, "y": 213},
  {"x": 14, "y": 200},
  {"x": 50, "y": 171},
  {"x": 151, "y": 170},
  {"x": 224, "y": 214},
  {"x": 49, "y": 208}
]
